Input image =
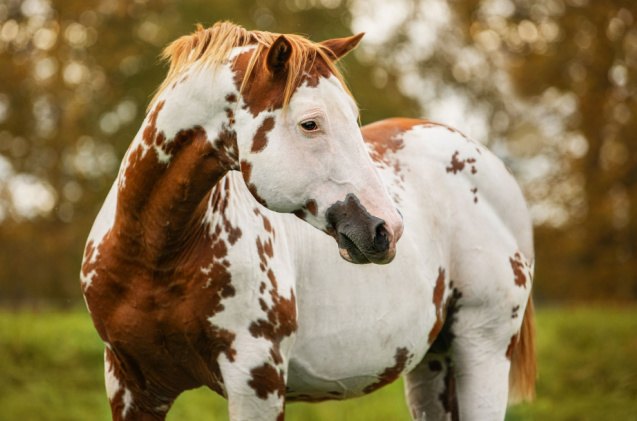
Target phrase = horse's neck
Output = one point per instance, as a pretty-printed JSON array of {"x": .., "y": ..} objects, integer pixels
[{"x": 186, "y": 145}]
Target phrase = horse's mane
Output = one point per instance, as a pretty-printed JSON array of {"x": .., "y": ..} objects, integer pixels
[{"x": 212, "y": 46}]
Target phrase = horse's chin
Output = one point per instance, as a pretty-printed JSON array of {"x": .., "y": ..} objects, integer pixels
[
  {"x": 352, "y": 254},
  {"x": 355, "y": 256}
]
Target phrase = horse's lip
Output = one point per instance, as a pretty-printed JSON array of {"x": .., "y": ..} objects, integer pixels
[{"x": 353, "y": 253}]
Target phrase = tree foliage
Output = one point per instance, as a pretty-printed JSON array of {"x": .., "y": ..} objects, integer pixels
[
  {"x": 551, "y": 87},
  {"x": 76, "y": 79}
]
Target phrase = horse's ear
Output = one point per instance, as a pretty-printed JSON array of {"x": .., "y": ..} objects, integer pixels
[
  {"x": 339, "y": 47},
  {"x": 279, "y": 54}
]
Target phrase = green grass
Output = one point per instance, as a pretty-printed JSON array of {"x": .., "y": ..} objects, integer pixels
[{"x": 51, "y": 369}]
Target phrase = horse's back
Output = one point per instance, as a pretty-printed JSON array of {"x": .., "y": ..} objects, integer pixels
[{"x": 431, "y": 165}]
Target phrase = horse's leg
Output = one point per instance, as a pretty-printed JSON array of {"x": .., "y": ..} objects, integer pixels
[
  {"x": 128, "y": 399},
  {"x": 479, "y": 353},
  {"x": 430, "y": 389},
  {"x": 255, "y": 382},
  {"x": 485, "y": 329}
]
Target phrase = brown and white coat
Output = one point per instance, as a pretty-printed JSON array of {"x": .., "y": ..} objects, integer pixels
[{"x": 205, "y": 267}]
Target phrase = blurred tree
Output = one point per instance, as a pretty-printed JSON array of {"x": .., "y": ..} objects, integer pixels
[
  {"x": 594, "y": 58},
  {"x": 75, "y": 78},
  {"x": 549, "y": 85}
]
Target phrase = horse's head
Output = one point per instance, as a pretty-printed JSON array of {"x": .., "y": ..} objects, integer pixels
[{"x": 301, "y": 150}]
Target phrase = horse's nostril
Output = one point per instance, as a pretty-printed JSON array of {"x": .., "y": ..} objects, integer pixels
[{"x": 381, "y": 239}]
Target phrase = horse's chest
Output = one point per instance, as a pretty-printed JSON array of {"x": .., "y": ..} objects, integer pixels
[{"x": 158, "y": 326}]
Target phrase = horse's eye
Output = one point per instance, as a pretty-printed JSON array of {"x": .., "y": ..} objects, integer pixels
[{"x": 309, "y": 125}]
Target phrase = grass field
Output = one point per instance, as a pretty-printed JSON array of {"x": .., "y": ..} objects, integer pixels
[{"x": 51, "y": 369}]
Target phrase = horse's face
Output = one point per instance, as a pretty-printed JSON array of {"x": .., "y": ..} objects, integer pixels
[{"x": 310, "y": 159}]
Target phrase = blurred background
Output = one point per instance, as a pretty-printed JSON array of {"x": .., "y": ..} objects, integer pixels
[{"x": 549, "y": 85}]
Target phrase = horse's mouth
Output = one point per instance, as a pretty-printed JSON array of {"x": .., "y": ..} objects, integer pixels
[
  {"x": 354, "y": 253},
  {"x": 349, "y": 251}
]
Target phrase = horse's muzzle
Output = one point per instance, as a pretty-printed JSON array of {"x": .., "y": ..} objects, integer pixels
[{"x": 361, "y": 237}]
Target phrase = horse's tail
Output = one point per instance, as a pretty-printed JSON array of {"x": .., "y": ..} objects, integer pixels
[{"x": 523, "y": 366}]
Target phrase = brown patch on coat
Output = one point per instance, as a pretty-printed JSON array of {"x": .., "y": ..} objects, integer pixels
[
  {"x": 160, "y": 273},
  {"x": 260, "y": 92},
  {"x": 385, "y": 139},
  {"x": 475, "y": 194},
  {"x": 514, "y": 312},
  {"x": 169, "y": 191},
  {"x": 266, "y": 379},
  {"x": 246, "y": 171},
  {"x": 226, "y": 150},
  {"x": 280, "y": 316},
  {"x": 265, "y": 250},
  {"x": 88, "y": 265},
  {"x": 311, "y": 206},
  {"x": 117, "y": 401},
  {"x": 443, "y": 340},
  {"x": 159, "y": 198},
  {"x": 390, "y": 127},
  {"x": 150, "y": 135},
  {"x": 159, "y": 319},
  {"x": 280, "y": 321},
  {"x": 220, "y": 198},
  {"x": 511, "y": 347},
  {"x": 457, "y": 165},
  {"x": 264, "y": 91},
  {"x": 438, "y": 295},
  {"x": 260, "y": 138},
  {"x": 517, "y": 264},
  {"x": 390, "y": 373},
  {"x": 142, "y": 405},
  {"x": 267, "y": 225},
  {"x": 88, "y": 253},
  {"x": 230, "y": 114},
  {"x": 386, "y": 136},
  {"x": 472, "y": 161}
]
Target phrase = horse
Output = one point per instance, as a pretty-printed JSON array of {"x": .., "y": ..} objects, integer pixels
[{"x": 212, "y": 260}]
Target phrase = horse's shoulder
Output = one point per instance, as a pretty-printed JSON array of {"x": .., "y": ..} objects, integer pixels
[
  {"x": 391, "y": 134},
  {"x": 387, "y": 135}
]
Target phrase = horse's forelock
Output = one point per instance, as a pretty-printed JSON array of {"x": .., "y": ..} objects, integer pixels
[{"x": 212, "y": 46}]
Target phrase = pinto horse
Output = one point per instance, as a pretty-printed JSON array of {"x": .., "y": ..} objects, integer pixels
[{"x": 209, "y": 262}]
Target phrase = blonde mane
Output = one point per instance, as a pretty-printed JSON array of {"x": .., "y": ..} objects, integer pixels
[{"x": 212, "y": 46}]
